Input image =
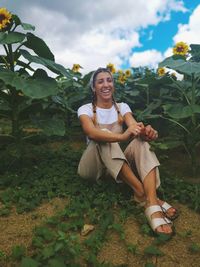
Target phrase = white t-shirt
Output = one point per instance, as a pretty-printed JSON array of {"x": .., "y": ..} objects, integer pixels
[{"x": 104, "y": 116}]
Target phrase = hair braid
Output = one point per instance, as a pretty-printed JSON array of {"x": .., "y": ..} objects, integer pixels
[
  {"x": 120, "y": 118},
  {"x": 94, "y": 108}
]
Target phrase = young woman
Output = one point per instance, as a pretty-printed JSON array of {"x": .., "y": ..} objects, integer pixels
[{"x": 102, "y": 122}]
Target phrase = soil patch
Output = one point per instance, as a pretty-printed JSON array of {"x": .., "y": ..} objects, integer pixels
[
  {"x": 176, "y": 251},
  {"x": 17, "y": 229}
]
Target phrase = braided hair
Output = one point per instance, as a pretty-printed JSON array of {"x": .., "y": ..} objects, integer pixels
[{"x": 94, "y": 99}]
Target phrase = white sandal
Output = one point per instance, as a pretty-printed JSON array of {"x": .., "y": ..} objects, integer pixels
[
  {"x": 165, "y": 207},
  {"x": 156, "y": 222}
]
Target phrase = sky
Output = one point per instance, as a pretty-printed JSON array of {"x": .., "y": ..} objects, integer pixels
[{"x": 129, "y": 33}]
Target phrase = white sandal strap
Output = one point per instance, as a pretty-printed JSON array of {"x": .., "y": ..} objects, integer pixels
[
  {"x": 152, "y": 209},
  {"x": 156, "y": 222},
  {"x": 166, "y": 206}
]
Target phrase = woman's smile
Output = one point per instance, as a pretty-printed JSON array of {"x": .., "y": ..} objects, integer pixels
[{"x": 104, "y": 86}]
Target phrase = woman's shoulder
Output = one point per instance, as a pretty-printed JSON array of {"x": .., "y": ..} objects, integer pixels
[
  {"x": 124, "y": 108},
  {"x": 85, "y": 109},
  {"x": 87, "y": 106},
  {"x": 122, "y": 105}
]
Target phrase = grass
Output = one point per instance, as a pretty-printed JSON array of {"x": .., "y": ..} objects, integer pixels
[{"x": 48, "y": 170}]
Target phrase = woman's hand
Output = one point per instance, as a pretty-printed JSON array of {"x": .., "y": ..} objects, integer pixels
[
  {"x": 133, "y": 131},
  {"x": 149, "y": 134}
]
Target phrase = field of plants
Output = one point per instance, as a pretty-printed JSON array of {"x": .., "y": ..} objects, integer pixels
[{"x": 49, "y": 216}]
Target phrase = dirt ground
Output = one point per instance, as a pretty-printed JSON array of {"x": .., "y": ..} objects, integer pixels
[{"x": 17, "y": 229}]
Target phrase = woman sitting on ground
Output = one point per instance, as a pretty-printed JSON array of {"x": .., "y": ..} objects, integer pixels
[{"x": 102, "y": 122}]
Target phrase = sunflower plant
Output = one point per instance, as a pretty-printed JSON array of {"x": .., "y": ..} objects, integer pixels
[
  {"x": 25, "y": 92},
  {"x": 182, "y": 108}
]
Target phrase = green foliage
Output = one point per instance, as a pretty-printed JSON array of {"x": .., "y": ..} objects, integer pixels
[
  {"x": 194, "y": 248},
  {"x": 26, "y": 93},
  {"x": 18, "y": 252},
  {"x": 57, "y": 240},
  {"x": 28, "y": 262},
  {"x": 30, "y": 98},
  {"x": 132, "y": 248},
  {"x": 153, "y": 251},
  {"x": 162, "y": 239},
  {"x": 119, "y": 229},
  {"x": 185, "y": 233},
  {"x": 183, "y": 108},
  {"x": 2, "y": 254}
]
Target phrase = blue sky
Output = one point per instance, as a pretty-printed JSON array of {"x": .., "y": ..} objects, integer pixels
[
  {"x": 163, "y": 33},
  {"x": 127, "y": 33}
]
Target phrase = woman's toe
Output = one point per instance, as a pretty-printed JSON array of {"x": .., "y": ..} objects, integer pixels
[
  {"x": 167, "y": 229},
  {"x": 160, "y": 230}
]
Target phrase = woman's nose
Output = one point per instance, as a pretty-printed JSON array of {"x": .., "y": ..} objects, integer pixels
[{"x": 105, "y": 83}]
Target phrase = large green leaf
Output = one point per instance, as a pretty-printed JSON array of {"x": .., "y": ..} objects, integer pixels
[
  {"x": 178, "y": 111},
  {"x": 25, "y": 26},
  {"x": 51, "y": 127},
  {"x": 6, "y": 139},
  {"x": 34, "y": 88},
  {"x": 56, "y": 68},
  {"x": 181, "y": 66},
  {"x": 11, "y": 37},
  {"x": 38, "y": 46},
  {"x": 195, "y": 52}
]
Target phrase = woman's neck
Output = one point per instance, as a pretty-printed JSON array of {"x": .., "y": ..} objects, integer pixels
[{"x": 104, "y": 104}]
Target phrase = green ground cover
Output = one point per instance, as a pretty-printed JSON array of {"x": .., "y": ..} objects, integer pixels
[{"x": 47, "y": 171}]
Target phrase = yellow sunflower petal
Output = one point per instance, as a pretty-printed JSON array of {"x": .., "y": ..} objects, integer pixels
[
  {"x": 5, "y": 18},
  {"x": 111, "y": 67},
  {"x": 161, "y": 71},
  {"x": 180, "y": 48}
]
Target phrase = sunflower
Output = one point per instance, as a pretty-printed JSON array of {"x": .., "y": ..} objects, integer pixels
[
  {"x": 5, "y": 18},
  {"x": 111, "y": 67},
  {"x": 180, "y": 48},
  {"x": 76, "y": 68},
  {"x": 122, "y": 78},
  {"x": 120, "y": 72},
  {"x": 128, "y": 73},
  {"x": 161, "y": 71}
]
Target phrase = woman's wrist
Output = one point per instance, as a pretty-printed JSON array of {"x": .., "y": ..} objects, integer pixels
[{"x": 124, "y": 136}]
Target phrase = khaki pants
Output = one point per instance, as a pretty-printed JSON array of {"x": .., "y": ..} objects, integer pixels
[{"x": 101, "y": 158}]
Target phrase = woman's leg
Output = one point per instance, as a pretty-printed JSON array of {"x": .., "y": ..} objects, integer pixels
[
  {"x": 151, "y": 199},
  {"x": 127, "y": 175},
  {"x": 140, "y": 156},
  {"x": 90, "y": 165}
]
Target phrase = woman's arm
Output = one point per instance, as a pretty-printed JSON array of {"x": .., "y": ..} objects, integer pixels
[
  {"x": 104, "y": 136},
  {"x": 129, "y": 120},
  {"x": 147, "y": 133}
]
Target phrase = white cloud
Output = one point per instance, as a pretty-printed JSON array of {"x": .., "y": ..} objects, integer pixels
[
  {"x": 93, "y": 33},
  {"x": 98, "y": 49},
  {"x": 168, "y": 52},
  {"x": 190, "y": 33},
  {"x": 149, "y": 58}
]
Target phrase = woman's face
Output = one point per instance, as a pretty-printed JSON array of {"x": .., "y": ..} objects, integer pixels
[{"x": 103, "y": 86}]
